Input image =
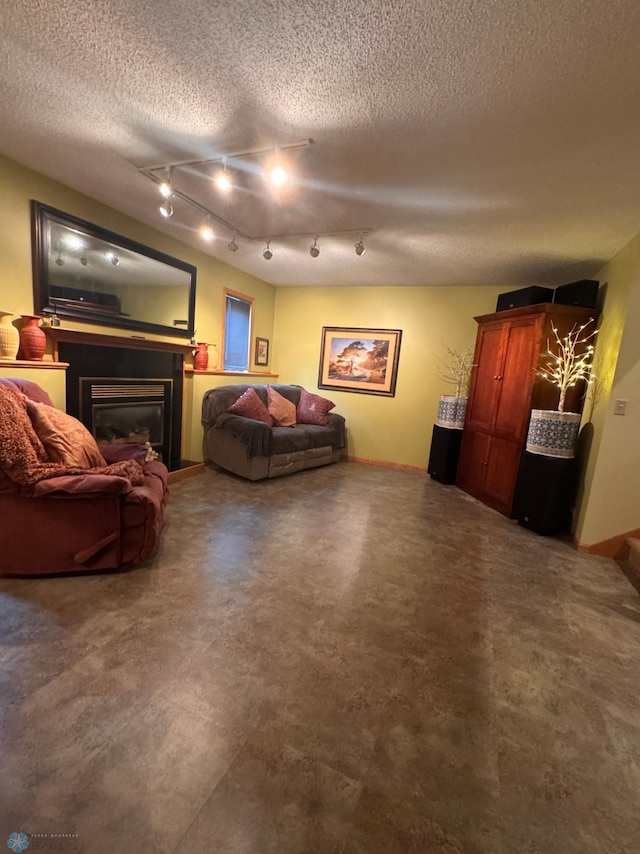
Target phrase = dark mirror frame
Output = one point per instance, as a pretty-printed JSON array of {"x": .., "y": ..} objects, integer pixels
[{"x": 41, "y": 216}]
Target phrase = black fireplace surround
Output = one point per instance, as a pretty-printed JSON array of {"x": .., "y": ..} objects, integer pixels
[{"x": 123, "y": 394}]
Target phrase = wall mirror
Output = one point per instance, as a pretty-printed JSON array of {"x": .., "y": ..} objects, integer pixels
[{"x": 84, "y": 272}]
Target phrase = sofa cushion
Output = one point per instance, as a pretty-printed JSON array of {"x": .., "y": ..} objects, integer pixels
[
  {"x": 281, "y": 410},
  {"x": 313, "y": 409},
  {"x": 65, "y": 439},
  {"x": 250, "y": 406}
]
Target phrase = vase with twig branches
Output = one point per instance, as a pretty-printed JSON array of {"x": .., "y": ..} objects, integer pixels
[
  {"x": 454, "y": 369},
  {"x": 554, "y": 432}
]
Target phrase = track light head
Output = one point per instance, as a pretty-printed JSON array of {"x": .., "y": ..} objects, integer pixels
[
  {"x": 206, "y": 232},
  {"x": 115, "y": 260},
  {"x": 278, "y": 176},
  {"x": 165, "y": 187},
  {"x": 233, "y": 246},
  {"x": 83, "y": 261},
  {"x": 360, "y": 247},
  {"x": 222, "y": 181},
  {"x": 166, "y": 209},
  {"x": 59, "y": 261},
  {"x": 315, "y": 250},
  {"x": 267, "y": 254}
]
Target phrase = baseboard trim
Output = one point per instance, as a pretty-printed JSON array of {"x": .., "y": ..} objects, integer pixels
[
  {"x": 384, "y": 463},
  {"x": 186, "y": 472},
  {"x": 615, "y": 547}
]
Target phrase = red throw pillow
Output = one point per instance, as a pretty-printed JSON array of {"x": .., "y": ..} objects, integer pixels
[
  {"x": 313, "y": 409},
  {"x": 250, "y": 405}
]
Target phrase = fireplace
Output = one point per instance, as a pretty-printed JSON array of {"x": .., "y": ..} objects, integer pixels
[
  {"x": 125, "y": 393},
  {"x": 128, "y": 410}
]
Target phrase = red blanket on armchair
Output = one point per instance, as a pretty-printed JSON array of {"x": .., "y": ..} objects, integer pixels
[{"x": 23, "y": 458}]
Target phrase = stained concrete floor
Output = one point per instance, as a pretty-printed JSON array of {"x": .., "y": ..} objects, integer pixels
[{"x": 352, "y": 659}]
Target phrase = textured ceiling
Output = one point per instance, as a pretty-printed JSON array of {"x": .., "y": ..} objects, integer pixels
[{"x": 493, "y": 142}]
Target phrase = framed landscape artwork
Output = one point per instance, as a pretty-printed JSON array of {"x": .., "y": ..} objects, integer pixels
[
  {"x": 262, "y": 351},
  {"x": 360, "y": 360}
]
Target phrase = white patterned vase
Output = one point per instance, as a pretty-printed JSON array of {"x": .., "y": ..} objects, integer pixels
[
  {"x": 9, "y": 337},
  {"x": 451, "y": 411},
  {"x": 553, "y": 434}
]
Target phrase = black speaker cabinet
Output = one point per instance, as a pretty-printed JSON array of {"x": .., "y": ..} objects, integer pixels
[
  {"x": 445, "y": 450},
  {"x": 524, "y": 296},
  {"x": 584, "y": 293},
  {"x": 545, "y": 493}
]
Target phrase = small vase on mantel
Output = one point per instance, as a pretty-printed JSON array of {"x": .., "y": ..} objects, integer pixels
[
  {"x": 9, "y": 337},
  {"x": 201, "y": 356},
  {"x": 33, "y": 341}
]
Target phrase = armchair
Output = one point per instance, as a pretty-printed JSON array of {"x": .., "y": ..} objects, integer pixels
[{"x": 77, "y": 520}]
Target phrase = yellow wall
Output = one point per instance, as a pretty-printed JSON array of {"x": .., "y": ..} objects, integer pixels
[
  {"x": 20, "y": 184},
  {"x": 389, "y": 429},
  {"x": 610, "y": 502}
]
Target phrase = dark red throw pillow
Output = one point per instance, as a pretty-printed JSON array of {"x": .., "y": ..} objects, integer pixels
[
  {"x": 250, "y": 405},
  {"x": 313, "y": 409}
]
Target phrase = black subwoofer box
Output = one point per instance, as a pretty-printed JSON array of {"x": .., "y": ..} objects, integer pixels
[
  {"x": 524, "y": 296},
  {"x": 445, "y": 451},
  {"x": 545, "y": 493},
  {"x": 584, "y": 293}
]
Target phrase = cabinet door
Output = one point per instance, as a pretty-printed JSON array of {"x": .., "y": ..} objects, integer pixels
[
  {"x": 501, "y": 473},
  {"x": 515, "y": 378},
  {"x": 483, "y": 394},
  {"x": 471, "y": 467}
]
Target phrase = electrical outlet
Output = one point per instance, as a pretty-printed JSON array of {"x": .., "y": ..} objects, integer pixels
[{"x": 620, "y": 407}]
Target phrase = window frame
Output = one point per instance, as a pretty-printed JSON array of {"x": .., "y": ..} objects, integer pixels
[{"x": 228, "y": 292}]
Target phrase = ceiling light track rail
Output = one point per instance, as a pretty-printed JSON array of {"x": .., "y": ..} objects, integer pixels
[
  {"x": 278, "y": 175},
  {"x": 228, "y": 155}
]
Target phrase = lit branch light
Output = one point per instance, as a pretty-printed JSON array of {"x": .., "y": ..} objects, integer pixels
[{"x": 573, "y": 360}]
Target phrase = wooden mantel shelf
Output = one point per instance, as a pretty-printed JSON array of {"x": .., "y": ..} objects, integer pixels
[
  {"x": 129, "y": 342},
  {"x": 34, "y": 363},
  {"x": 221, "y": 373}
]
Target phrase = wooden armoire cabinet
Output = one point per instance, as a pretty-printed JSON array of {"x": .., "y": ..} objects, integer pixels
[{"x": 510, "y": 347}]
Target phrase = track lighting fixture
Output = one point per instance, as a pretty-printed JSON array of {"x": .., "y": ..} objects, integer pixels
[
  {"x": 206, "y": 232},
  {"x": 272, "y": 169},
  {"x": 115, "y": 260},
  {"x": 59, "y": 260},
  {"x": 83, "y": 261}
]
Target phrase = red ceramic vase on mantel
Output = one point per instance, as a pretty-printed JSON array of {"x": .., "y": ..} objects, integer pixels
[
  {"x": 201, "y": 358},
  {"x": 33, "y": 341}
]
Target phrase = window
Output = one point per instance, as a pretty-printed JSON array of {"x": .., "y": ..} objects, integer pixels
[{"x": 237, "y": 331}]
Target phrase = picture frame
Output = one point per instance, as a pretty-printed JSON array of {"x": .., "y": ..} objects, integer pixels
[
  {"x": 364, "y": 361},
  {"x": 262, "y": 351}
]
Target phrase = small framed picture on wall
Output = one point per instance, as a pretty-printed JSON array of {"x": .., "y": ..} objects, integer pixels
[{"x": 262, "y": 351}]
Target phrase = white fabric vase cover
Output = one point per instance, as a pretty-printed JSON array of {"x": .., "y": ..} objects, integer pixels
[
  {"x": 553, "y": 434},
  {"x": 451, "y": 411}
]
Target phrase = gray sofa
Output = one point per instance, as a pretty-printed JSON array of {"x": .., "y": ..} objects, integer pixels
[{"x": 256, "y": 451}]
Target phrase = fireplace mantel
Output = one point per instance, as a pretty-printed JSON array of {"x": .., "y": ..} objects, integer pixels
[{"x": 97, "y": 339}]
